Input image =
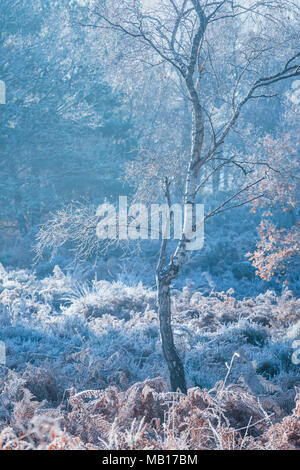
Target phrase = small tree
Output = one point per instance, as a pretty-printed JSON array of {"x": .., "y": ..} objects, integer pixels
[
  {"x": 223, "y": 55},
  {"x": 278, "y": 248}
]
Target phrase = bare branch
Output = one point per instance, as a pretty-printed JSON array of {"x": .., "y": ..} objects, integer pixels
[
  {"x": 224, "y": 209},
  {"x": 221, "y": 208}
]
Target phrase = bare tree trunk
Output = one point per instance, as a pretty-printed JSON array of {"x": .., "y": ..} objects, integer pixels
[
  {"x": 216, "y": 182},
  {"x": 165, "y": 276},
  {"x": 226, "y": 178},
  {"x": 174, "y": 363}
]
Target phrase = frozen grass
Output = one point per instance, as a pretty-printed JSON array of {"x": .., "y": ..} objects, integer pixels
[{"x": 83, "y": 361}]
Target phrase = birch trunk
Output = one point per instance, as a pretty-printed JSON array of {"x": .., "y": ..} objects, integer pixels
[
  {"x": 174, "y": 363},
  {"x": 167, "y": 274}
]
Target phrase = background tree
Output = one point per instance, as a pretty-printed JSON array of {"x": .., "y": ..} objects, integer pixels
[{"x": 62, "y": 125}]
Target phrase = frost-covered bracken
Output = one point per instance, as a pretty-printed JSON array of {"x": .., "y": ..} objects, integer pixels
[{"x": 83, "y": 365}]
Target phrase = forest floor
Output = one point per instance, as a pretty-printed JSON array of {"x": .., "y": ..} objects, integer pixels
[{"x": 84, "y": 367}]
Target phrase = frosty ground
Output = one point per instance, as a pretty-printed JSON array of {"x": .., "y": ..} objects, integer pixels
[{"x": 84, "y": 367}]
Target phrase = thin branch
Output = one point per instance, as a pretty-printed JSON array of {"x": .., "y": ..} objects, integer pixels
[
  {"x": 234, "y": 196},
  {"x": 217, "y": 212},
  {"x": 258, "y": 84}
]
